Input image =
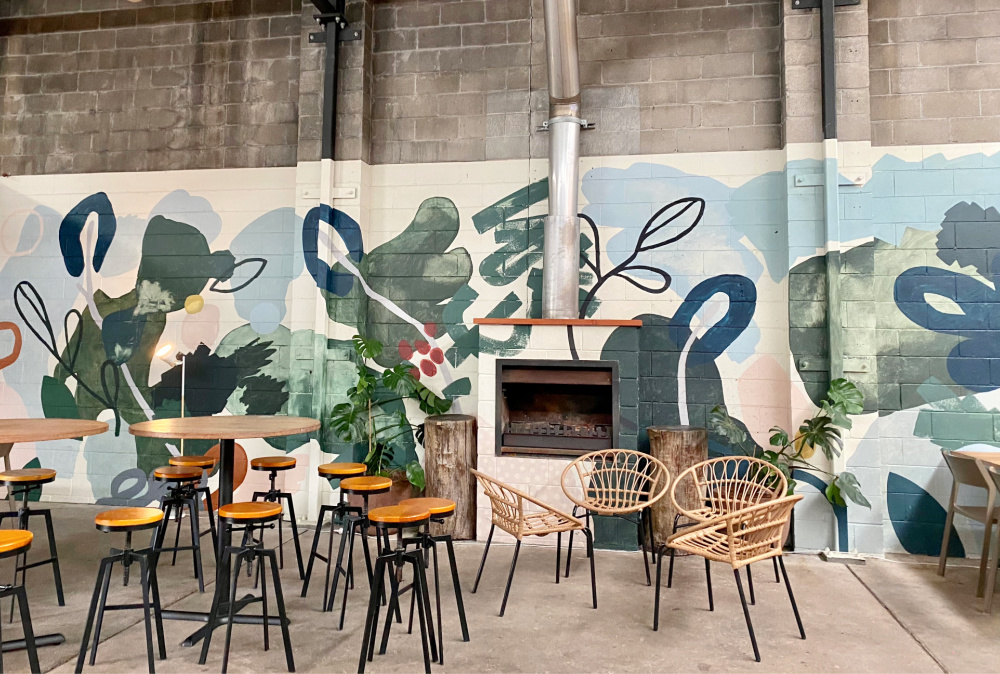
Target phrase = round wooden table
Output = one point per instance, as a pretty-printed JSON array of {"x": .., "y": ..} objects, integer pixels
[
  {"x": 41, "y": 430},
  {"x": 227, "y": 430}
]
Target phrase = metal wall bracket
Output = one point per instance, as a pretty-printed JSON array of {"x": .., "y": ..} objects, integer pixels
[
  {"x": 815, "y": 4},
  {"x": 344, "y": 35}
]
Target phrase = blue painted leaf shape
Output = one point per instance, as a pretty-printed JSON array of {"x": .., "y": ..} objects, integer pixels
[
  {"x": 918, "y": 519},
  {"x": 338, "y": 283},
  {"x": 73, "y": 224}
]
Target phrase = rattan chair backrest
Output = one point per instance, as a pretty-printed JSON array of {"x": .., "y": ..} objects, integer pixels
[
  {"x": 730, "y": 483},
  {"x": 615, "y": 481}
]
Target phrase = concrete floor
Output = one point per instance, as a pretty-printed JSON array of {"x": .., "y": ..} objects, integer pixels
[{"x": 886, "y": 616}]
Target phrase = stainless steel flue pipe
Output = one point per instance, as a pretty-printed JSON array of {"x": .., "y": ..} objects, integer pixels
[{"x": 561, "y": 270}]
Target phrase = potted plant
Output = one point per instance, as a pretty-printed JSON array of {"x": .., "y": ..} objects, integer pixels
[
  {"x": 375, "y": 419},
  {"x": 790, "y": 452}
]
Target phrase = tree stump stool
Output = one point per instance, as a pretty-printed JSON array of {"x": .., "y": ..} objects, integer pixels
[
  {"x": 449, "y": 457},
  {"x": 679, "y": 448}
]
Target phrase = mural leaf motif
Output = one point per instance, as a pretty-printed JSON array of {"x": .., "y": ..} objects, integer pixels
[{"x": 72, "y": 227}]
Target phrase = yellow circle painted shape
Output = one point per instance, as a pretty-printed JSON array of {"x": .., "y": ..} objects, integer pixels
[{"x": 193, "y": 304}]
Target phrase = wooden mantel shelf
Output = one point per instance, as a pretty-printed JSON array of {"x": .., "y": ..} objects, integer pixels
[{"x": 592, "y": 322}]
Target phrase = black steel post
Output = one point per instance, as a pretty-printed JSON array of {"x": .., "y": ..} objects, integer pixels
[
  {"x": 332, "y": 29},
  {"x": 829, "y": 68}
]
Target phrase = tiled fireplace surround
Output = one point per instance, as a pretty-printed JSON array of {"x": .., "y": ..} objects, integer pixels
[{"x": 540, "y": 477}]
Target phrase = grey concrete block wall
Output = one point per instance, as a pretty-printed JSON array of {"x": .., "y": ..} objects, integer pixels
[
  {"x": 935, "y": 71},
  {"x": 466, "y": 80},
  {"x": 108, "y": 85}
]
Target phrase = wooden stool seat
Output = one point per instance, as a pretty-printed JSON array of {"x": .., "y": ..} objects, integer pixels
[
  {"x": 366, "y": 484},
  {"x": 193, "y": 461},
  {"x": 341, "y": 469},
  {"x": 251, "y": 510},
  {"x": 399, "y": 514},
  {"x": 121, "y": 518},
  {"x": 438, "y": 507},
  {"x": 14, "y": 540},
  {"x": 177, "y": 473},
  {"x": 273, "y": 463},
  {"x": 24, "y": 475}
]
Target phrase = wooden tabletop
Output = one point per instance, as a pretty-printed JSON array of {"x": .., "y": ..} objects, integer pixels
[
  {"x": 224, "y": 427},
  {"x": 990, "y": 458},
  {"x": 39, "y": 430}
]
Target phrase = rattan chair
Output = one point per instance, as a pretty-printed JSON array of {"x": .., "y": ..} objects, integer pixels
[
  {"x": 618, "y": 483},
  {"x": 510, "y": 514},
  {"x": 725, "y": 484},
  {"x": 991, "y": 570},
  {"x": 970, "y": 472},
  {"x": 740, "y": 538}
]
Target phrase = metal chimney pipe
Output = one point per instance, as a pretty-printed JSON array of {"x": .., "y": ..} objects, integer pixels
[{"x": 561, "y": 270}]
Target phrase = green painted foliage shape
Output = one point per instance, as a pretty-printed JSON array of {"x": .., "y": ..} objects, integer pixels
[{"x": 57, "y": 400}]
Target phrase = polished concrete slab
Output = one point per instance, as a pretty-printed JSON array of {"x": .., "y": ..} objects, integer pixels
[{"x": 886, "y": 616}]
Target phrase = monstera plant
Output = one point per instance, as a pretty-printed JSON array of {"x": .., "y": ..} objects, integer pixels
[
  {"x": 376, "y": 417},
  {"x": 793, "y": 451}
]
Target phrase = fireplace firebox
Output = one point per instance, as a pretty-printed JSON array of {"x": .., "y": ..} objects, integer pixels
[{"x": 556, "y": 407}]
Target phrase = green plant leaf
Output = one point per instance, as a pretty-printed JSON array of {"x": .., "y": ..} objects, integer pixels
[
  {"x": 722, "y": 424},
  {"x": 349, "y": 423},
  {"x": 822, "y": 433},
  {"x": 415, "y": 474},
  {"x": 399, "y": 380},
  {"x": 845, "y": 394},
  {"x": 779, "y": 437},
  {"x": 851, "y": 488},
  {"x": 791, "y": 487},
  {"x": 368, "y": 349},
  {"x": 430, "y": 403},
  {"x": 832, "y": 492}
]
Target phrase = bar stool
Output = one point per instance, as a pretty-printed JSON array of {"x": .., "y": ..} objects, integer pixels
[
  {"x": 331, "y": 471},
  {"x": 127, "y": 520},
  {"x": 273, "y": 465},
  {"x": 206, "y": 464},
  {"x": 440, "y": 509},
  {"x": 13, "y": 543},
  {"x": 250, "y": 516},
  {"x": 21, "y": 483},
  {"x": 181, "y": 493},
  {"x": 397, "y": 517},
  {"x": 366, "y": 487}
]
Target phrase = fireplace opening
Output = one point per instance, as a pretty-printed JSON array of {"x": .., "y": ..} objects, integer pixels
[{"x": 556, "y": 408}]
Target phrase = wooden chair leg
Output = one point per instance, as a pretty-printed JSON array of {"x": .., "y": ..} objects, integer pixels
[
  {"x": 947, "y": 530},
  {"x": 991, "y": 573},
  {"x": 984, "y": 557}
]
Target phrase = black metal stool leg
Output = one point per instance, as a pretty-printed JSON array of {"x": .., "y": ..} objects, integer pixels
[
  {"x": 746, "y": 614},
  {"x": 144, "y": 583},
  {"x": 54, "y": 554},
  {"x": 791, "y": 597},
  {"x": 279, "y": 600},
  {"x": 262, "y": 580},
  {"x": 510, "y": 578},
  {"x": 232, "y": 606},
  {"x": 457, "y": 585},
  {"x": 343, "y": 605},
  {"x": 100, "y": 614},
  {"x": 196, "y": 544},
  {"x": 315, "y": 546},
  {"x": 295, "y": 532},
  {"x": 154, "y": 588},
  {"x": 26, "y": 628},
  {"x": 348, "y": 533},
  {"x": 482, "y": 564},
  {"x": 372, "y": 617},
  {"x": 179, "y": 506},
  {"x": 92, "y": 613},
  {"x": 221, "y": 586},
  {"x": 437, "y": 599},
  {"x": 420, "y": 584}
]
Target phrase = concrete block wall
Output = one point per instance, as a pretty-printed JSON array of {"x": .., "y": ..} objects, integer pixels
[
  {"x": 108, "y": 85},
  {"x": 935, "y": 71}
]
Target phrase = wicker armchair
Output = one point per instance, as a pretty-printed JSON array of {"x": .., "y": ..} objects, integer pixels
[
  {"x": 618, "y": 483},
  {"x": 511, "y": 515},
  {"x": 724, "y": 485},
  {"x": 740, "y": 538}
]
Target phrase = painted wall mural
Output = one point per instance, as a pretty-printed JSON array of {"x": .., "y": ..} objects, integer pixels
[{"x": 721, "y": 260}]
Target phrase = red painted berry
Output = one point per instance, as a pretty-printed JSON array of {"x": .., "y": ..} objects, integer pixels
[
  {"x": 429, "y": 368},
  {"x": 405, "y": 350},
  {"x": 437, "y": 355},
  {"x": 415, "y": 373},
  {"x": 431, "y": 329},
  {"x": 422, "y": 346}
]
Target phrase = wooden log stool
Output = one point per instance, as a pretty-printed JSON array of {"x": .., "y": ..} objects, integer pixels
[
  {"x": 366, "y": 487},
  {"x": 440, "y": 509},
  {"x": 273, "y": 465},
  {"x": 20, "y": 483},
  {"x": 207, "y": 464},
  {"x": 127, "y": 520},
  {"x": 337, "y": 513},
  {"x": 181, "y": 484},
  {"x": 13, "y": 544},
  {"x": 390, "y": 562},
  {"x": 249, "y": 516}
]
